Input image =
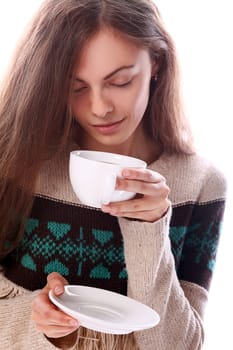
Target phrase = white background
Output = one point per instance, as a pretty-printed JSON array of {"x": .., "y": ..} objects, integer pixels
[{"x": 203, "y": 31}]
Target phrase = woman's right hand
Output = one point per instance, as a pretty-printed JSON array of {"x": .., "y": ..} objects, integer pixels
[{"x": 48, "y": 319}]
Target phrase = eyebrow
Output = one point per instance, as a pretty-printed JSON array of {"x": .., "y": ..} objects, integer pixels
[{"x": 110, "y": 74}]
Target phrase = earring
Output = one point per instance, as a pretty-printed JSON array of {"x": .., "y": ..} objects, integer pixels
[{"x": 155, "y": 77}]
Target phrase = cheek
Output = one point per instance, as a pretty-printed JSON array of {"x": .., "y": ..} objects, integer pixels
[
  {"x": 78, "y": 107},
  {"x": 141, "y": 101}
]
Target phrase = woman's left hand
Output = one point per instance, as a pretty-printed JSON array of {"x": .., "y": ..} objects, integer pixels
[{"x": 151, "y": 201}]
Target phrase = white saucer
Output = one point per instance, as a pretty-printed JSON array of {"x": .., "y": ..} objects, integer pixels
[{"x": 105, "y": 311}]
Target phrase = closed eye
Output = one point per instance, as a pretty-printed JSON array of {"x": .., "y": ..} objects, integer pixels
[
  {"x": 121, "y": 84},
  {"x": 81, "y": 89}
]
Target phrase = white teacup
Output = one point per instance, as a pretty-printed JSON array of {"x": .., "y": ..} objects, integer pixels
[{"x": 93, "y": 176}]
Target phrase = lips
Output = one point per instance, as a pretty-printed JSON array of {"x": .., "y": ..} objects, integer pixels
[{"x": 108, "y": 128}]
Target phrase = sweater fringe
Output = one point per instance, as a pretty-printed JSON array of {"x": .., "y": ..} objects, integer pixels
[{"x": 92, "y": 340}]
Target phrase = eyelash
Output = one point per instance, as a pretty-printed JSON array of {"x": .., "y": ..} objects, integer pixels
[
  {"x": 111, "y": 84},
  {"x": 80, "y": 89},
  {"x": 122, "y": 85}
]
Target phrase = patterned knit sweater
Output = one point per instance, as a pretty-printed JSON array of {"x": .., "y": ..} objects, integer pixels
[{"x": 167, "y": 265}]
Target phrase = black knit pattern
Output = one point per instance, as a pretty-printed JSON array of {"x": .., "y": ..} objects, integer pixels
[{"x": 85, "y": 245}]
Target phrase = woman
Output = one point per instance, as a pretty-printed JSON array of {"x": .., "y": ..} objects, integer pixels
[{"x": 102, "y": 75}]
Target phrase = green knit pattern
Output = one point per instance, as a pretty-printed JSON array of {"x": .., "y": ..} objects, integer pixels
[
  {"x": 86, "y": 246},
  {"x": 101, "y": 253}
]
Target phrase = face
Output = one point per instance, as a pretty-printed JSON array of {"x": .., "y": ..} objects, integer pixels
[{"x": 110, "y": 92}]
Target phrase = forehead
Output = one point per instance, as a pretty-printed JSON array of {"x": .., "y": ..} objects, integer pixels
[{"x": 107, "y": 50}]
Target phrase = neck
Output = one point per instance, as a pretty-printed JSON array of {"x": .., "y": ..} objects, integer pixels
[{"x": 139, "y": 146}]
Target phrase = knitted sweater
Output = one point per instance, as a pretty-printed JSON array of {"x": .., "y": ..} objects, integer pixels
[{"x": 167, "y": 264}]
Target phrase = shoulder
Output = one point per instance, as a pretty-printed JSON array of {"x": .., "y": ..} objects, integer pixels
[{"x": 192, "y": 178}]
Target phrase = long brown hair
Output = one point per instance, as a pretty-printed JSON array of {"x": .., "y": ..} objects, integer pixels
[{"x": 35, "y": 121}]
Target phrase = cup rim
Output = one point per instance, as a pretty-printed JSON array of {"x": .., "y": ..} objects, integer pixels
[{"x": 141, "y": 163}]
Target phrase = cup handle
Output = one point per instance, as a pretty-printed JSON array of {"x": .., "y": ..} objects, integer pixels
[{"x": 110, "y": 185}]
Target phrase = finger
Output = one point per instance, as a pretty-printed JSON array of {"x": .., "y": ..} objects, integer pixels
[
  {"x": 55, "y": 331},
  {"x": 56, "y": 282},
  {"x": 42, "y": 302},
  {"x": 55, "y": 319},
  {"x": 147, "y": 188},
  {"x": 146, "y": 175},
  {"x": 138, "y": 205},
  {"x": 43, "y": 308},
  {"x": 146, "y": 215},
  {"x": 135, "y": 205}
]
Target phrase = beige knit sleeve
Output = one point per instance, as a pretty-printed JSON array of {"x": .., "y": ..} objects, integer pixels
[
  {"x": 152, "y": 279},
  {"x": 17, "y": 331}
]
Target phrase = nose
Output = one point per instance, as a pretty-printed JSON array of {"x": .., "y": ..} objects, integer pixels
[{"x": 100, "y": 104}]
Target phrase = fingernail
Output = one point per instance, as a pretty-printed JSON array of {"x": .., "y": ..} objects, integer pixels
[
  {"x": 126, "y": 172},
  {"x": 105, "y": 209},
  {"x": 73, "y": 323},
  {"x": 58, "y": 290}
]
